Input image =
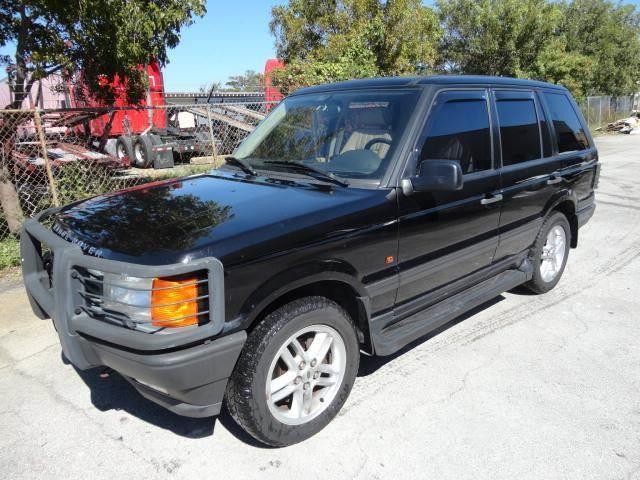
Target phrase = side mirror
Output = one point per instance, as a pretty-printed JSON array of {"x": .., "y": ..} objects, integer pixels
[{"x": 434, "y": 175}]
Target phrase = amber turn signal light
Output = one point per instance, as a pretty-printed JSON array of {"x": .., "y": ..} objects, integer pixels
[{"x": 174, "y": 302}]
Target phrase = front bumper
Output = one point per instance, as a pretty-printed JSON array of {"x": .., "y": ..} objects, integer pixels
[{"x": 184, "y": 371}]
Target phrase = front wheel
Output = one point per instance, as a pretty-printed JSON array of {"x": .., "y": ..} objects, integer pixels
[
  {"x": 549, "y": 253},
  {"x": 295, "y": 372}
]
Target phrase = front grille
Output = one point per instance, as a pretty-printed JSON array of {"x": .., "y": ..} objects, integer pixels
[{"x": 136, "y": 316}]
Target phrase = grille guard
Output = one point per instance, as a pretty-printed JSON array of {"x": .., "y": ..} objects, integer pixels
[{"x": 59, "y": 301}]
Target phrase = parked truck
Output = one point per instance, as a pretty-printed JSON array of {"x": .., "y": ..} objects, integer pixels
[
  {"x": 146, "y": 134},
  {"x": 359, "y": 216}
]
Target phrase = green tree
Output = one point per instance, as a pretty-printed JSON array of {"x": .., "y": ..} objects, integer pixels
[
  {"x": 250, "y": 81},
  {"x": 323, "y": 41},
  {"x": 496, "y": 37},
  {"x": 590, "y": 46},
  {"x": 608, "y": 35},
  {"x": 103, "y": 39}
]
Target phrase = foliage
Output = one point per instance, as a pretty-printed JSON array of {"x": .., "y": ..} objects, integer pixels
[
  {"x": 103, "y": 39},
  {"x": 495, "y": 37},
  {"x": 323, "y": 41},
  {"x": 9, "y": 253},
  {"x": 608, "y": 34},
  {"x": 251, "y": 81},
  {"x": 590, "y": 46}
]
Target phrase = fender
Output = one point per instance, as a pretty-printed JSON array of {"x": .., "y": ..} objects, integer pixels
[
  {"x": 566, "y": 194},
  {"x": 299, "y": 276}
]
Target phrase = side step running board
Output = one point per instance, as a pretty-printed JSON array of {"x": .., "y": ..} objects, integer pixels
[{"x": 389, "y": 336}]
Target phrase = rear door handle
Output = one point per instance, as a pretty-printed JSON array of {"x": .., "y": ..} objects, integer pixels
[
  {"x": 554, "y": 180},
  {"x": 492, "y": 199}
]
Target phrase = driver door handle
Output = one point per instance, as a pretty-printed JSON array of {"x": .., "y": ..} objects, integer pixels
[
  {"x": 491, "y": 199},
  {"x": 553, "y": 180}
]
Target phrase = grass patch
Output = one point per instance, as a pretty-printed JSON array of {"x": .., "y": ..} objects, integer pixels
[{"x": 9, "y": 253}]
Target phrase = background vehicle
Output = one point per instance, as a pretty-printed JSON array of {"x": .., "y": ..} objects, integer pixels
[{"x": 358, "y": 216}]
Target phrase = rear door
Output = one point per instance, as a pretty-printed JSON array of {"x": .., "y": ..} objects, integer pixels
[
  {"x": 445, "y": 236},
  {"x": 534, "y": 171},
  {"x": 527, "y": 165}
]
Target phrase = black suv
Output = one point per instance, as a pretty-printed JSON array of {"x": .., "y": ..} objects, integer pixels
[{"x": 357, "y": 216}]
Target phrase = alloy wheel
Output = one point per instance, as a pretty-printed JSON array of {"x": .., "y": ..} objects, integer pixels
[{"x": 305, "y": 374}]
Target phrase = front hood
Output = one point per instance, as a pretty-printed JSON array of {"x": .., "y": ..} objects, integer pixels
[{"x": 218, "y": 215}]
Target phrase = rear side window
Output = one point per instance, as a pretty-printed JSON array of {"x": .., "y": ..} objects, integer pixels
[
  {"x": 458, "y": 129},
  {"x": 519, "y": 131},
  {"x": 569, "y": 131}
]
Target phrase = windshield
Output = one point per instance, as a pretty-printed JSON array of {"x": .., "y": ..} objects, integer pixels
[{"x": 349, "y": 134}]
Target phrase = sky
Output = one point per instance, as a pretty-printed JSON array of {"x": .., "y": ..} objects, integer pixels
[{"x": 231, "y": 38}]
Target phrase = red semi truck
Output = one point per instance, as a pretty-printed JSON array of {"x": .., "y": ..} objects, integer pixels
[
  {"x": 145, "y": 134},
  {"x": 149, "y": 134}
]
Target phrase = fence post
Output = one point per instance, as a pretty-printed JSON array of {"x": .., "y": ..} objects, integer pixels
[
  {"x": 47, "y": 163},
  {"x": 214, "y": 151}
]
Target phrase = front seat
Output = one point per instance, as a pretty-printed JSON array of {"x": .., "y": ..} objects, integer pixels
[{"x": 368, "y": 123}]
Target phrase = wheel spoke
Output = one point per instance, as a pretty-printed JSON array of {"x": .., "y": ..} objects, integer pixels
[
  {"x": 300, "y": 352},
  {"x": 307, "y": 398},
  {"x": 282, "y": 381},
  {"x": 297, "y": 403},
  {"x": 320, "y": 346},
  {"x": 284, "y": 392},
  {"x": 326, "y": 381},
  {"x": 327, "y": 368},
  {"x": 288, "y": 359}
]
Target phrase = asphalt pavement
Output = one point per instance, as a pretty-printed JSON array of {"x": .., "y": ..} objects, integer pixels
[{"x": 526, "y": 387}]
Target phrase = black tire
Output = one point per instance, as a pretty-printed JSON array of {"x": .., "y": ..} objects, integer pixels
[
  {"x": 143, "y": 154},
  {"x": 538, "y": 284},
  {"x": 124, "y": 148},
  {"x": 246, "y": 396}
]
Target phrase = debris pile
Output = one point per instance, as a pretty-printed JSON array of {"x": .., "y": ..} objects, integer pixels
[{"x": 630, "y": 125}]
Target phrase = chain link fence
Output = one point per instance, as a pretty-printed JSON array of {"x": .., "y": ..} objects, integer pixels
[
  {"x": 54, "y": 157},
  {"x": 602, "y": 110}
]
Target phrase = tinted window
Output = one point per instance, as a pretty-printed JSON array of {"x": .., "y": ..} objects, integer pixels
[
  {"x": 519, "y": 132},
  {"x": 458, "y": 129},
  {"x": 569, "y": 131}
]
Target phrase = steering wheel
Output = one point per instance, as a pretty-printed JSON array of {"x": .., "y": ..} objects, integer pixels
[{"x": 376, "y": 140}]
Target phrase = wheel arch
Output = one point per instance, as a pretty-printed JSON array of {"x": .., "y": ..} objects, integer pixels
[
  {"x": 566, "y": 204},
  {"x": 339, "y": 285}
]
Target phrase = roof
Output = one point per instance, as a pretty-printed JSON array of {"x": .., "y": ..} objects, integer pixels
[{"x": 390, "y": 82}]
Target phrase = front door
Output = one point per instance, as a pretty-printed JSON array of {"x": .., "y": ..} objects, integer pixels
[{"x": 445, "y": 236}]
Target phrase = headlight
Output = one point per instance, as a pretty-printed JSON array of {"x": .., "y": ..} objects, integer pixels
[{"x": 153, "y": 303}]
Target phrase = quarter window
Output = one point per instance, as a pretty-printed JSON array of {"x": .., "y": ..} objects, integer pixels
[
  {"x": 519, "y": 131},
  {"x": 458, "y": 129},
  {"x": 569, "y": 131}
]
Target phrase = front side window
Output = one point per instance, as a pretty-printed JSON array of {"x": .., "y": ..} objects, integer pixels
[
  {"x": 351, "y": 134},
  {"x": 519, "y": 131},
  {"x": 570, "y": 134},
  {"x": 458, "y": 129}
]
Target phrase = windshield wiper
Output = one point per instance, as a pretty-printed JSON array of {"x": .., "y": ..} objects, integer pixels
[
  {"x": 242, "y": 165},
  {"x": 311, "y": 171}
]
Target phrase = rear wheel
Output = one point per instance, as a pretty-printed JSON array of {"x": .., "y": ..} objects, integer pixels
[
  {"x": 143, "y": 153},
  {"x": 295, "y": 372},
  {"x": 550, "y": 253},
  {"x": 124, "y": 148}
]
